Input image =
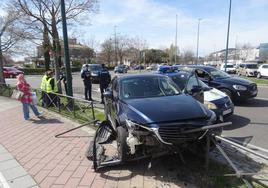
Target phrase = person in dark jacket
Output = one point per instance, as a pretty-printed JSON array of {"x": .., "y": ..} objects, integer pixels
[
  {"x": 86, "y": 76},
  {"x": 105, "y": 79}
]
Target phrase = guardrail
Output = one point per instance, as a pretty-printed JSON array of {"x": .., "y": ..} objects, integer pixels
[{"x": 77, "y": 108}]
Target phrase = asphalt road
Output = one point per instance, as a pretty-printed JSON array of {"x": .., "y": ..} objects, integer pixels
[{"x": 250, "y": 119}]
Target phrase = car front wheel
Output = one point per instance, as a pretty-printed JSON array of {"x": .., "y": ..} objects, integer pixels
[{"x": 121, "y": 143}]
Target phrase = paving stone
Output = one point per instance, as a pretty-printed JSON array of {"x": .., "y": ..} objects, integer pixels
[
  {"x": 5, "y": 157},
  {"x": 24, "y": 181},
  {"x": 4, "y": 165},
  {"x": 13, "y": 173}
]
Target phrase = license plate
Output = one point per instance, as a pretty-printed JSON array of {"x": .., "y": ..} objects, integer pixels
[{"x": 227, "y": 112}]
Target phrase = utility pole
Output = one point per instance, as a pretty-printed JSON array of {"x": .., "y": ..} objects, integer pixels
[
  {"x": 66, "y": 51},
  {"x": 227, "y": 42},
  {"x": 197, "y": 42},
  {"x": 176, "y": 38},
  {"x": 115, "y": 46}
]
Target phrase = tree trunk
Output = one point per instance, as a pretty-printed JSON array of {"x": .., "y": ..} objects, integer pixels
[
  {"x": 56, "y": 52},
  {"x": 2, "y": 79},
  {"x": 46, "y": 47}
]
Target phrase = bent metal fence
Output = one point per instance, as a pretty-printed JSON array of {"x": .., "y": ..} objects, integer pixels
[{"x": 82, "y": 110}]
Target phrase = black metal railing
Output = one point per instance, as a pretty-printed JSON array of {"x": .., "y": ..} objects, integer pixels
[{"x": 74, "y": 107}]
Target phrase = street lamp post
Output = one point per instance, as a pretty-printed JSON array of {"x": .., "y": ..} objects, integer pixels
[
  {"x": 176, "y": 39},
  {"x": 197, "y": 42},
  {"x": 115, "y": 46},
  {"x": 66, "y": 51},
  {"x": 227, "y": 42}
]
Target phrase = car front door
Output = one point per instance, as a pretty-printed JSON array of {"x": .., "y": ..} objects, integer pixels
[{"x": 194, "y": 88}]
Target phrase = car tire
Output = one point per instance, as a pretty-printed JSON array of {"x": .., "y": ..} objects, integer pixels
[
  {"x": 227, "y": 92},
  {"x": 121, "y": 143},
  {"x": 259, "y": 75}
]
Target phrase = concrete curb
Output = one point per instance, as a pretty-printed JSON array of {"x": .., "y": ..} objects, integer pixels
[{"x": 12, "y": 174}]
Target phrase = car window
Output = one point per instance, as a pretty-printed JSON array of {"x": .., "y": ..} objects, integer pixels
[
  {"x": 145, "y": 87},
  {"x": 192, "y": 81},
  {"x": 265, "y": 66},
  {"x": 251, "y": 66},
  {"x": 202, "y": 74},
  {"x": 180, "y": 80}
]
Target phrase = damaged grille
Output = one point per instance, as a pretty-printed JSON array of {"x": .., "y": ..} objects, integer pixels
[{"x": 173, "y": 133}]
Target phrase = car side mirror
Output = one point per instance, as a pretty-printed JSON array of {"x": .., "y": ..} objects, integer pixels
[
  {"x": 196, "y": 89},
  {"x": 108, "y": 94}
]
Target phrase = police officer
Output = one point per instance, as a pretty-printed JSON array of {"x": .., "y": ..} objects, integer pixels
[
  {"x": 86, "y": 76},
  {"x": 105, "y": 79}
]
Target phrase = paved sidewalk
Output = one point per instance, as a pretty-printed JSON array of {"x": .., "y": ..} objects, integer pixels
[{"x": 61, "y": 162}]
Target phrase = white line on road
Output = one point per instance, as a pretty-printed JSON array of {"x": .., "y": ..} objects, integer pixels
[
  {"x": 3, "y": 181},
  {"x": 260, "y": 98}
]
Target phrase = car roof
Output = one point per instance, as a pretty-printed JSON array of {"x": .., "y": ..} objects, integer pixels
[{"x": 139, "y": 75}]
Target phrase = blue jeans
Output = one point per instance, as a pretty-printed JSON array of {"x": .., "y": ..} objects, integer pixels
[{"x": 26, "y": 112}]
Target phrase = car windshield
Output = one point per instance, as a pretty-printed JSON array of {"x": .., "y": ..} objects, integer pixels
[
  {"x": 251, "y": 66},
  {"x": 95, "y": 67},
  {"x": 148, "y": 86},
  {"x": 218, "y": 74}
]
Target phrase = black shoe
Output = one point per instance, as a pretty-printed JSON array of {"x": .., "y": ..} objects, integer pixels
[{"x": 90, "y": 99}]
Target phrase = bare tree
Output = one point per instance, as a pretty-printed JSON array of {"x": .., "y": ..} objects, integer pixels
[
  {"x": 107, "y": 50},
  {"x": 10, "y": 36},
  {"x": 47, "y": 13},
  {"x": 188, "y": 57}
]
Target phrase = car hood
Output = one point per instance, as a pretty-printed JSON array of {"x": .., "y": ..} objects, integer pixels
[
  {"x": 213, "y": 94},
  {"x": 235, "y": 80},
  {"x": 164, "y": 109}
]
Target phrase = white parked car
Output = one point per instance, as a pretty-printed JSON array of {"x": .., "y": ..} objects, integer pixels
[
  {"x": 263, "y": 71},
  {"x": 230, "y": 68}
]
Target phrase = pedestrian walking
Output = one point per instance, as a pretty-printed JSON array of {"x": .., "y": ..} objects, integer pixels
[
  {"x": 86, "y": 76},
  {"x": 26, "y": 98},
  {"x": 105, "y": 79}
]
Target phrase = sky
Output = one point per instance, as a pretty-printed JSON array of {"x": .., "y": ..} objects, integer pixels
[{"x": 155, "y": 21}]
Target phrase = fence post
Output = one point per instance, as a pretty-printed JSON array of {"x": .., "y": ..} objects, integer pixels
[
  {"x": 73, "y": 106},
  {"x": 92, "y": 108}
]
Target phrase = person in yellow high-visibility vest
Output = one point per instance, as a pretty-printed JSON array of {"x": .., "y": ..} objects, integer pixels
[
  {"x": 43, "y": 89},
  {"x": 51, "y": 89}
]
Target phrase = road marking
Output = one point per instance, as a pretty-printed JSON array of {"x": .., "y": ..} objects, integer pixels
[
  {"x": 260, "y": 98},
  {"x": 3, "y": 181}
]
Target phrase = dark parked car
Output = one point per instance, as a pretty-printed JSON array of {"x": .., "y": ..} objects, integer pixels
[
  {"x": 120, "y": 69},
  {"x": 238, "y": 89},
  {"x": 149, "y": 114},
  {"x": 11, "y": 72},
  {"x": 95, "y": 70},
  {"x": 212, "y": 98},
  {"x": 139, "y": 67}
]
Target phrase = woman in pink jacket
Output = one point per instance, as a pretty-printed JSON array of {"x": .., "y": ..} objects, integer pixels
[{"x": 26, "y": 99}]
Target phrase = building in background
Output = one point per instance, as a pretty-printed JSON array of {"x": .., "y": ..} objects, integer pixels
[
  {"x": 263, "y": 52},
  {"x": 79, "y": 54}
]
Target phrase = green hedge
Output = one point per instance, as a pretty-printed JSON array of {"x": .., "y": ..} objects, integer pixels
[{"x": 31, "y": 71}]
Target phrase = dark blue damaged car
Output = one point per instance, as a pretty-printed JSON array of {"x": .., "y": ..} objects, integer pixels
[{"x": 149, "y": 113}]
